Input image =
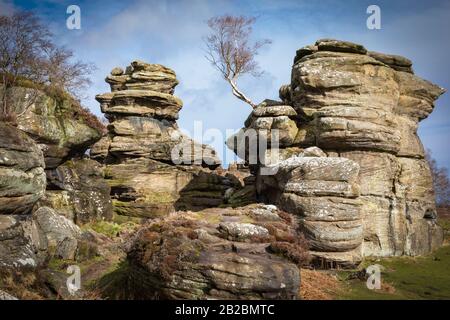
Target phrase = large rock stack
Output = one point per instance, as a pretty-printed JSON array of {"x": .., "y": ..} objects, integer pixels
[
  {"x": 323, "y": 192},
  {"x": 151, "y": 166},
  {"x": 363, "y": 106},
  {"x": 366, "y": 107}
]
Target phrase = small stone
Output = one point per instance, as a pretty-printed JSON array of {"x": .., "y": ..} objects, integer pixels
[{"x": 117, "y": 71}]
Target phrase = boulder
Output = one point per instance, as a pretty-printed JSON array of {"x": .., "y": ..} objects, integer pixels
[
  {"x": 61, "y": 127},
  {"x": 323, "y": 193},
  {"x": 77, "y": 189},
  {"x": 339, "y": 46},
  {"x": 62, "y": 234},
  {"x": 22, "y": 176},
  {"x": 217, "y": 254},
  {"x": 396, "y": 62},
  {"x": 22, "y": 243},
  {"x": 363, "y": 108}
]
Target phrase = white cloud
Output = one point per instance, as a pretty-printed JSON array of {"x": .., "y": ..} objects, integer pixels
[{"x": 170, "y": 32}]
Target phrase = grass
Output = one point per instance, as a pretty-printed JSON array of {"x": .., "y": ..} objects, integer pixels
[
  {"x": 111, "y": 229},
  {"x": 114, "y": 284},
  {"x": 417, "y": 278}
]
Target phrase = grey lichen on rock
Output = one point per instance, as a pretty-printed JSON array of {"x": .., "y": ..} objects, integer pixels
[
  {"x": 78, "y": 190},
  {"x": 61, "y": 127},
  {"x": 61, "y": 233},
  {"x": 22, "y": 176},
  {"x": 217, "y": 254},
  {"x": 151, "y": 166},
  {"x": 363, "y": 106}
]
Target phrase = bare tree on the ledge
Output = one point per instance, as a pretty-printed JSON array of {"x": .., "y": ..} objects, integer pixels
[
  {"x": 29, "y": 58},
  {"x": 231, "y": 51}
]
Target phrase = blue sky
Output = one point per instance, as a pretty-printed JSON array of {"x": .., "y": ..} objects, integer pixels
[{"x": 114, "y": 33}]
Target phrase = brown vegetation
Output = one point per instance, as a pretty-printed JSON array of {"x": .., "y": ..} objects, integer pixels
[
  {"x": 24, "y": 284},
  {"x": 318, "y": 285}
]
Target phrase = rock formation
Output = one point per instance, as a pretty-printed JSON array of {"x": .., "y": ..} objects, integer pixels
[
  {"x": 324, "y": 192},
  {"x": 22, "y": 183},
  {"x": 60, "y": 126},
  {"x": 76, "y": 189},
  {"x": 218, "y": 254},
  {"x": 62, "y": 234},
  {"x": 151, "y": 166},
  {"x": 365, "y": 107},
  {"x": 64, "y": 131}
]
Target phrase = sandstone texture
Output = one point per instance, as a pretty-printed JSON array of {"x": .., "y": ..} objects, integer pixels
[
  {"x": 324, "y": 193},
  {"x": 218, "y": 254},
  {"x": 62, "y": 234},
  {"x": 77, "y": 190},
  {"x": 22, "y": 184},
  {"x": 151, "y": 166},
  {"x": 22, "y": 176},
  {"x": 60, "y": 126},
  {"x": 362, "y": 108}
]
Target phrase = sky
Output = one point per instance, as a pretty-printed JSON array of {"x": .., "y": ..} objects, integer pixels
[{"x": 114, "y": 33}]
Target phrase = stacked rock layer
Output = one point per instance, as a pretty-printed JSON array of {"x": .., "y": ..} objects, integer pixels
[
  {"x": 250, "y": 252},
  {"x": 151, "y": 166},
  {"x": 363, "y": 106},
  {"x": 22, "y": 183}
]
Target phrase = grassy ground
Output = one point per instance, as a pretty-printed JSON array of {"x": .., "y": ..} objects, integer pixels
[{"x": 425, "y": 277}]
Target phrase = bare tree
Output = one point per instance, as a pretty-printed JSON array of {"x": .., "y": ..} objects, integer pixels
[
  {"x": 29, "y": 56},
  {"x": 441, "y": 181},
  {"x": 231, "y": 51}
]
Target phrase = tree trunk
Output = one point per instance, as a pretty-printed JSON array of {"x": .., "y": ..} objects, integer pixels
[{"x": 240, "y": 95}]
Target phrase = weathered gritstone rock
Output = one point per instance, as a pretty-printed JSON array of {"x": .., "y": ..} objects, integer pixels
[
  {"x": 6, "y": 296},
  {"x": 22, "y": 243},
  {"x": 151, "y": 166},
  {"x": 363, "y": 106},
  {"x": 22, "y": 184},
  {"x": 217, "y": 254},
  {"x": 323, "y": 193},
  {"x": 56, "y": 123},
  {"x": 270, "y": 122},
  {"x": 62, "y": 234},
  {"x": 22, "y": 176},
  {"x": 77, "y": 190},
  {"x": 143, "y": 76},
  {"x": 369, "y": 112}
]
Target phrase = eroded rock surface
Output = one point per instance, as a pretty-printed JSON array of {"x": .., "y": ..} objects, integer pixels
[
  {"x": 363, "y": 106},
  {"x": 22, "y": 184},
  {"x": 151, "y": 166},
  {"x": 22, "y": 176},
  {"x": 77, "y": 190},
  {"x": 60, "y": 126},
  {"x": 218, "y": 254}
]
